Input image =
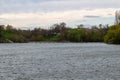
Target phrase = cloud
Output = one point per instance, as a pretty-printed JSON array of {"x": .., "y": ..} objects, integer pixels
[
  {"x": 91, "y": 16},
  {"x": 24, "y": 6},
  {"x": 42, "y": 18},
  {"x": 3, "y": 21},
  {"x": 44, "y": 12}
]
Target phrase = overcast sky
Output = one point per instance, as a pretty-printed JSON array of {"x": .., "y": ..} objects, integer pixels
[{"x": 22, "y": 13}]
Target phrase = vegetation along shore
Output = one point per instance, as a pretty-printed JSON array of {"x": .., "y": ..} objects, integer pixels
[{"x": 61, "y": 33}]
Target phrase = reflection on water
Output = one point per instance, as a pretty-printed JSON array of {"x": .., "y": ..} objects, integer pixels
[{"x": 59, "y": 61}]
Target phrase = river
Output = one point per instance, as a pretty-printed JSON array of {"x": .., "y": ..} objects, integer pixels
[{"x": 59, "y": 61}]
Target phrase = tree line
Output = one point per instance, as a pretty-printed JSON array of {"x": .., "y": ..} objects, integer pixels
[{"x": 61, "y": 33}]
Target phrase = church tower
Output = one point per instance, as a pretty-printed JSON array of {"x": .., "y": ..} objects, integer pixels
[{"x": 117, "y": 17}]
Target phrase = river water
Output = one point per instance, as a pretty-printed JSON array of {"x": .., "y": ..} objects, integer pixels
[{"x": 59, "y": 61}]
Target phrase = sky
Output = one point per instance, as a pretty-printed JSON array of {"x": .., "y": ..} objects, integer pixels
[{"x": 29, "y": 13}]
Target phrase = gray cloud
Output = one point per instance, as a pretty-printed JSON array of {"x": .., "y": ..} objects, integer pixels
[
  {"x": 17, "y": 6},
  {"x": 91, "y": 16},
  {"x": 44, "y": 12}
]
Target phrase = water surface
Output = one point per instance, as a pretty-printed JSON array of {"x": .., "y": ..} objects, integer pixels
[{"x": 59, "y": 61}]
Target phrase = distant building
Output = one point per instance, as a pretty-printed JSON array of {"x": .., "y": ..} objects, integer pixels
[{"x": 117, "y": 17}]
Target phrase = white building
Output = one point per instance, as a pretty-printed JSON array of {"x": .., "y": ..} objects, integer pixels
[{"x": 117, "y": 17}]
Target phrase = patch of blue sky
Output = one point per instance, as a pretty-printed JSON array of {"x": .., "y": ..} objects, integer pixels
[{"x": 96, "y": 21}]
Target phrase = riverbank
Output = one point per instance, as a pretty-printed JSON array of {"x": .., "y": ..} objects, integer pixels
[{"x": 61, "y": 33}]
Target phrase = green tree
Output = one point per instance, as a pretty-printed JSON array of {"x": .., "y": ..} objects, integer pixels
[
  {"x": 113, "y": 35},
  {"x": 76, "y": 35}
]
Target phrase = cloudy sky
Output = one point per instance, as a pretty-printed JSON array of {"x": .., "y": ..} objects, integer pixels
[{"x": 26, "y": 13}]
